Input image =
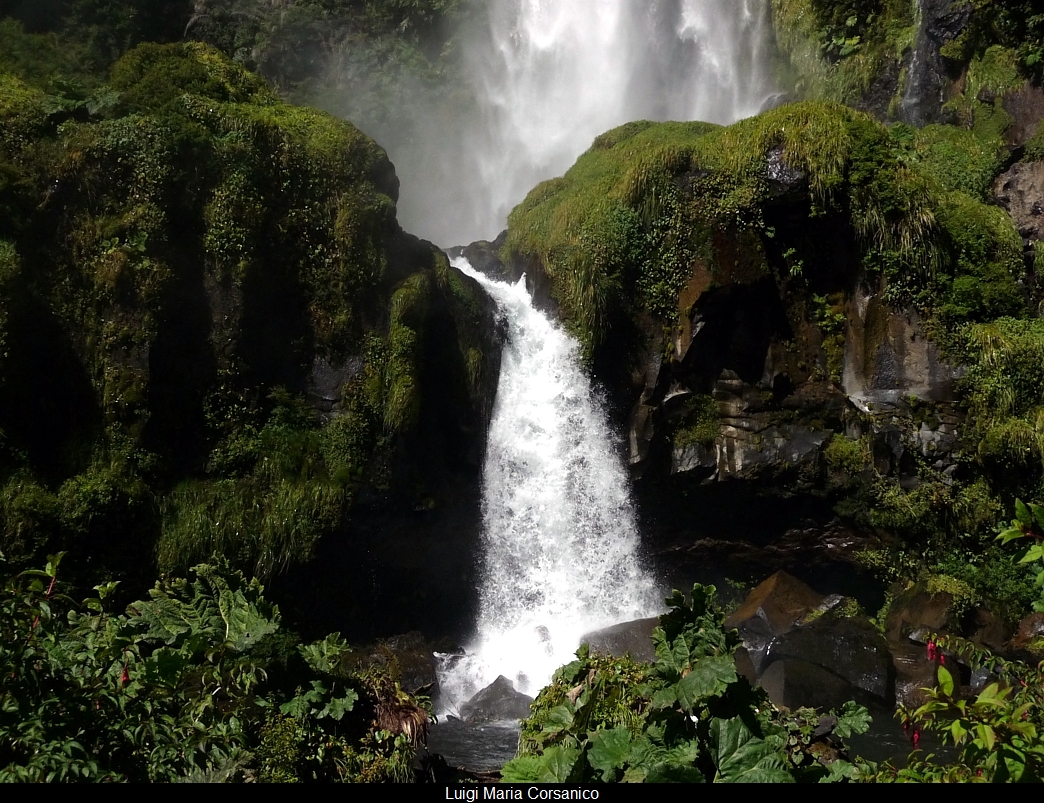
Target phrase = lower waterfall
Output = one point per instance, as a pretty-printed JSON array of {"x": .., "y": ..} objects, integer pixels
[{"x": 560, "y": 542}]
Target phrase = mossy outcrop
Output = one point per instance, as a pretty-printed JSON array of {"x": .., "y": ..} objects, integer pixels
[
  {"x": 759, "y": 296},
  {"x": 214, "y": 334}
]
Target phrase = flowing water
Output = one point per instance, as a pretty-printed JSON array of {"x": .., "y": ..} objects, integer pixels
[
  {"x": 545, "y": 77},
  {"x": 561, "y": 548}
]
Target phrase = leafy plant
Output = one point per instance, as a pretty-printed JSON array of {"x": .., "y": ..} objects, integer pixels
[{"x": 688, "y": 717}]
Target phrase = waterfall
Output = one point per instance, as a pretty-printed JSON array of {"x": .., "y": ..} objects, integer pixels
[
  {"x": 547, "y": 76},
  {"x": 560, "y": 541}
]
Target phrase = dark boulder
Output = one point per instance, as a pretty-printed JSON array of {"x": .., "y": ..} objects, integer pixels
[
  {"x": 794, "y": 683},
  {"x": 773, "y": 608},
  {"x": 628, "y": 638},
  {"x": 408, "y": 659},
  {"x": 851, "y": 649},
  {"x": 1028, "y": 641},
  {"x": 497, "y": 702}
]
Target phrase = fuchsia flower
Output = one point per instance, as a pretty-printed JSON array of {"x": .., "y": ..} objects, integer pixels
[
  {"x": 917, "y": 739},
  {"x": 931, "y": 651}
]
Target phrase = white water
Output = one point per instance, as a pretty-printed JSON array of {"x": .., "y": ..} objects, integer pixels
[
  {"x": 560, "y": 541},
  {"x": 547, "y": 76}
]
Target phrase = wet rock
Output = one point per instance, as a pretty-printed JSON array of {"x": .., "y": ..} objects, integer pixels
[
  {"x": 1020, "y": 191},
  {"x": 888, "y": 358},
  {"x": 849, "y": 648},
  {"x": 1028, "y": 641},
  {"x": 497, "y": 702},
  {"x": 772, "y": 609},
  {"x": 918, "y": 610},
  {"x": 484, "y": 257},
  {"x": 629, "y": 638},
  {"x": 913, "y": 673},
  {"x": 408, "y": 658},
  {"x": 794, "y": 683}
]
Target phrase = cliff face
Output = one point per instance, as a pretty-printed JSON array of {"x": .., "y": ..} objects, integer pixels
[
  {"x": 215, "y": 335},
  {"x": 787, "y": 310}
]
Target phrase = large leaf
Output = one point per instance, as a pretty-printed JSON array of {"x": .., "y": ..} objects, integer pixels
[
  {"x": 710, "y": 677},
  {"x": 560, "y": 765},
  {"x": 609, "y": 751},
  {"x": 741, "y": 757},
  {"x": 852, "y": 719},
  {"x": 524, "y": 769}
]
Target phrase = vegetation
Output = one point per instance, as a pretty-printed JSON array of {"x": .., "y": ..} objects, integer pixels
[
  {"x": 688, "y": 717},
  {"x": 199, "y": 682}
]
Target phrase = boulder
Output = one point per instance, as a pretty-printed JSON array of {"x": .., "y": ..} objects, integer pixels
[
  {"x": 629, "y": 638},
  {"x": 1028, "y": 641},
  {"x": 794, "y": 683},
  {"x": 770, "y": 610},
  {"x": 849, "y": 648},
  {"x": 917, "y": 609},
  {"x": 497, "y": 702},
  {"x": 408, "y": 658}
]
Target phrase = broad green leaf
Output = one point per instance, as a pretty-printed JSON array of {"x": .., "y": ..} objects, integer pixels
[
  {"x": 524, "y": 769},
  {"x": 325, "y": 656},
  {"x": 560, "y": 718},
  {"x": 741, "y": 757},
  {"x": 852, "y": 719},
  {"x": 709, "y": 677},
  {"x": 164, "y": 667},
  {"x": 673, "y": 773},
  {"x": 609, "y": 751},
  {"x": 560, "y": 765},
  {"x": 1038, "y": 515},
  {"x": 840, "y": 771},
  {"x": 945, "y": 681},
  {"x": 986, "y": 735},
  {"x": 1022, "y": 513},
  {"x": 339, "y": 706},
  {"x": 245, "y": 625}
]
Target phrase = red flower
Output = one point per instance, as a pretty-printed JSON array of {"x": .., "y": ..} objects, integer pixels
[
  {"x": 917, "y": 739},
  {"x": 125, "y": 677},
  {"x": 942, "y": 658},
  {"x": 931, "y": 651}
]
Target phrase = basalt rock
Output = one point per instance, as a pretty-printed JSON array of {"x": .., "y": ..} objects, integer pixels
[
  {"x": 497, "y": 702},
  {"x": 849, "y": 648},
  {"x": 629, "y": 638}
]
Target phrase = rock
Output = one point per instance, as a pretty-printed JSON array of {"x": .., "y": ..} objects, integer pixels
[
  {"x": 629, "y": 638},
  {"x": 794, "y": 683},
  {"x": 988, "y": 630},
  {"x": 849, "y": 648},
  {"x": 1028, "y": 642},
  {"x": 888, "y": 358},
  {"x": 913, "y": 673},
  {"x": 770, "y": 610},
  {"x": 485, "y": 257},
  {"x": 916, "y": 609},
  {"x": 497, "y": 702},
  {"x": 408, "y": 658},
  {"x": 1020, "y": 191}
]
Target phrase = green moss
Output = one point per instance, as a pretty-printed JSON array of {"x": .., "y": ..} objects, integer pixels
[
  {"x": 22, "y": 115},
  {"x": 958, "y": 159},
  {"x": 698, "y": 423},
  {"x": 654, "y": 203},
  {"x": 986, "y": 254},
  {"x": 846, "y": 456},
  {"x": 153, "y": 77},
  {"x": 29, "y": 518},
  {"x": 1035, "y": 146}
]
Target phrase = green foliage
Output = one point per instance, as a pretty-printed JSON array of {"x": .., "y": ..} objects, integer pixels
[
  {"x": 1002, "y": 389},
  {"x": 688, "y": 717},
  {"x": 651, "y": 205},
  {"x": 698, "y": 423},
  {"x": 175, "y": 689},
  {"x": 996, "y": 733},
  {"x": 846, "y": 456}
]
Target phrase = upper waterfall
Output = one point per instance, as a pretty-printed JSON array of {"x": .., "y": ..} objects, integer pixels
[{"x": 550, "y": 75}]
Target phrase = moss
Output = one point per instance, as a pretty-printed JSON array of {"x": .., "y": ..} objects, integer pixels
[
  {"x": 1035, "y": 146},
  {"x": 22, "y": 115},
  {"x": 649, "y": 206},
  {"x": 958, "y": 159},
  {"x": 153, "y": 77},
  {"x": 846, "y": 456},
  {"x": 29, "y": 518},
  {"x": 698, "y": 423},
  {"x": 986, "y": 254}
]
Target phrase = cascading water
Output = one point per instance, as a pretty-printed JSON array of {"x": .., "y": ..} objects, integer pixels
[
  {"x": 560, "y": 541},
  {"x": 548, "y": 76}
]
